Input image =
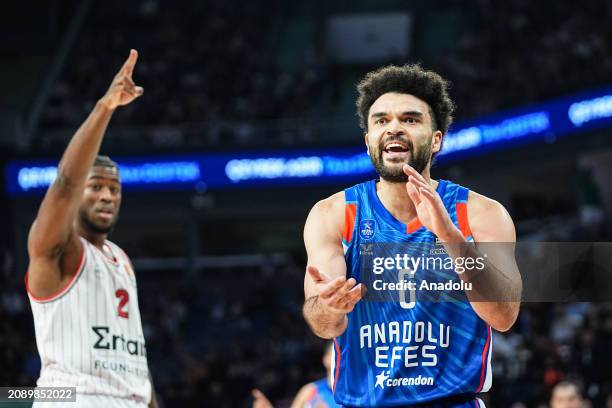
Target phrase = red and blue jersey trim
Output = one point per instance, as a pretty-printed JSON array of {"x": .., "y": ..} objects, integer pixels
[
  {"x": 337, "y": 364},
  {"x": 485, "y": 360}
]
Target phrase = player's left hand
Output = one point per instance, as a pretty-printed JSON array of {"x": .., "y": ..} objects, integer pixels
[{"x": 429, "y": 206}]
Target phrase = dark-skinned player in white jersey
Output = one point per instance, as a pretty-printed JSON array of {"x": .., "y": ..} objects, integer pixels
[{"x": 82, "y": 288}]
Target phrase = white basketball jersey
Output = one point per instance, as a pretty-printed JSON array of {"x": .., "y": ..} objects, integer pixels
[{"x": 90, "y": 335}]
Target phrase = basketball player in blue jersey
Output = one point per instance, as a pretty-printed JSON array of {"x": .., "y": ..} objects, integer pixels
[{"x": 404, "y": 351}]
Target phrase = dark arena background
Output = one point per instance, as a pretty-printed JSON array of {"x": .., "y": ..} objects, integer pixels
[{"x": 248, "y": 119}]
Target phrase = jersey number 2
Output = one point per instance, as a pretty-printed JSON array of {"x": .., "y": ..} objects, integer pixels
[{"x": 125, "y": 297}]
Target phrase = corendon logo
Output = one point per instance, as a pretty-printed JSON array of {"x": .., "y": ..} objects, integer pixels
[
  {"x": 108, "y": 341},
  {"x": 383, "y": 380}
]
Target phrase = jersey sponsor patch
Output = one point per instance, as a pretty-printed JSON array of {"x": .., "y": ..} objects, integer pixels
[{"x": 383, "y": 379}]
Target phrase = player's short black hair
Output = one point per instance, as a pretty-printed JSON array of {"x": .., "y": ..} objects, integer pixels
[
  {"x": 408, "y": 79},
  {"x": 105, "y": 161}
]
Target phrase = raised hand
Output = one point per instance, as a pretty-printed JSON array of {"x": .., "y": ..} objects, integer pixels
[
  {"x": 123, "y": 90},
  {"x": 429, "y": 206},
  {"x": 337, "y": 295}
]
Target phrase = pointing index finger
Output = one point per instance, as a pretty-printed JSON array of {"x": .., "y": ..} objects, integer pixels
[{"x": 130, "y": 62}]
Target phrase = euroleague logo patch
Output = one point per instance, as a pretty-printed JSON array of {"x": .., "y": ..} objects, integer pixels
[{"x": 367, "y": 229}]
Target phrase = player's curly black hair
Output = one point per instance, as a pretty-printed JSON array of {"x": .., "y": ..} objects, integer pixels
[{"x": 409, "y": 79}]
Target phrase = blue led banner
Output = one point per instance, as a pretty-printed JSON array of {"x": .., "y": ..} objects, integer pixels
[
  {"x": 203, "y": 171},
  {"x": 550, "y": 120},
  {"x": 309, "y": 166}
]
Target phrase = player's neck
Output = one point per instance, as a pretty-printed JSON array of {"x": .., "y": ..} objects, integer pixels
[
  {"x": 95, "y": 238},
  {"x": 396, "y": 200}
]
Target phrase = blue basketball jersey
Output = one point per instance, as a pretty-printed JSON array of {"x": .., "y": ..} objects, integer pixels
[
  {"x": 401, "y": 347},
  {"x": 322, "y": 396}
]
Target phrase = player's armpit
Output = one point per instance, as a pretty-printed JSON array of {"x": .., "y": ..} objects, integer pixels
[
  {"x": 53, "y": 229},
  {"x": 48, "y": 276}
]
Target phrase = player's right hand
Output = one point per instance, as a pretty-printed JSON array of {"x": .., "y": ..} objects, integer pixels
[
  {"x": 123, "y": 90},
  {"x": 338, "y": 295}
]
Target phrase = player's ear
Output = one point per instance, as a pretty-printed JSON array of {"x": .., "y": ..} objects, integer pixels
[
  {"x": 436, "y": 141},
  {"x": 366, "y": 143}
]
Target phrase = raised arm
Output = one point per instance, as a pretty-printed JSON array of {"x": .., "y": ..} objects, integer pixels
[
  {"x": 53, "y": 245},
  {"x": 329, "y": 295}
]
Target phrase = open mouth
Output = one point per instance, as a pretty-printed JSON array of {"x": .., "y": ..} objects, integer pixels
[{"x": 395, "y": 147}]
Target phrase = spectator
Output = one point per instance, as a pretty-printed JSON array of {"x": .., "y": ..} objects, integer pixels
[{"x": 566, "y": 394}]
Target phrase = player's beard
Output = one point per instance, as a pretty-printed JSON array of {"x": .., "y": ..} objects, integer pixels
[
  {"x": 417, "y": 159},
  {"x": 93, "y": 227}
]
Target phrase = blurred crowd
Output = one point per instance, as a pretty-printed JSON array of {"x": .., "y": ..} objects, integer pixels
[
  {"x": 208, "y": 69},
  {"x": 213, "y": 75},
  {"x": 549, "y": 343},
  {"x": 519, "y": 52}
]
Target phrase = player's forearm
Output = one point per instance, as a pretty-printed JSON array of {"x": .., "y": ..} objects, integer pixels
[
  {"x": 495, "y": 294},
  {"x": 83, "y": 149},
  {"x": 323, "y": 322},
  {"x": 495, "y": 291}
]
